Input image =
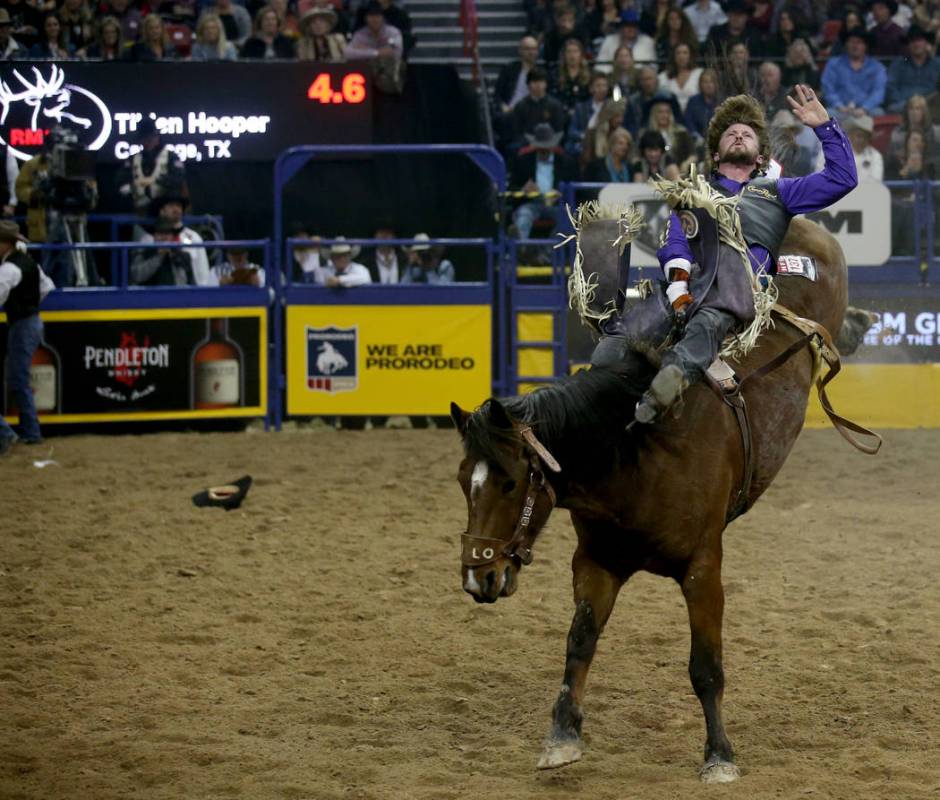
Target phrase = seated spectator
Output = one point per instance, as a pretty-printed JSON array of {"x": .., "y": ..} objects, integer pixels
[
  {"x": 736, "y": 30},
  {"x": 397, "y": 17},
  {"x": 565, "y": 28},
  {"x": 317, "y": 40},
  {"x": 741, "y": 76},
  {"x": 267, "y": 42},
  {"x": 585, "y": 113},
  {"x": 211, "y": 42},
  {"x": 540, "y": 167},
  {"x": 654, "y": 160},
  {"x": 377, "y": 39},
  {"x": 52, "y": 45},
  {"x": 629, "y": 35},
  {"x": 917, "y": 119},
  {"x": 793, "y": 145},
  {"x": 912, "y": 165},
  {"x": 704, "y": 15},
  {"x": 808, "y": 14},
  {"x": 162, "y": 267},
  {"x": 647, "y": 82},
  {"x": 868, "y": 161},
  {"x": 237, "y": 270},
  {"x": 572, "y": 77},
  {"x": 154, "y": 44},
  {"x": 681, "y": 76},
  {"x": 170, "y": 209},
  {"x": 674, "y": 31},
  {"x": 10, "y": 49},
  {"x": 854, "y": 83},
  {"x": 918, "y": 73},
  {"x": 26, "y": 20},
  {"x": 799, "y": 66},
  {"x": 602, "y": 20},
  {"x": 615, "y": 166},
  {"x": 153, "y": 172},
  {"x": 597, "y": 136},
  {"x": 108, "y": 44},
  {"x": 79, "y": 25},
  {"x": 536, "y": 108},
  {"x": 289, "y": 25},
  {"x": 624, "y": 75},
  {"x": 426, "y": 264},
  {"x": 701, "y": 107},
  {"x": 788, "y": 31},
  {"x": 886, "y": 36},
  {"x": 761, "y": 16},
  {"x": 341, "y": 270},
  {"x": 926, "y": 15},
  {"x": 771, "y": 94},
  {"x": 235, "y": 19},
  {"x": 511, "y": 83},
  {"x": 129, "y": 17},
  {"x": 383, "y": 266},
  {"x": 306, "y": 258},
  {"x": 662, "y": 120}
]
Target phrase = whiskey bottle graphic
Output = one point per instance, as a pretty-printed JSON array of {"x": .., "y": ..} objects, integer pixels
[
  {"x": 217, "y": 369},
  {"x": 44, "y": 375}
]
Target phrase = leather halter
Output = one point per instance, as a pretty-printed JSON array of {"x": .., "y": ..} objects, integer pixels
[{"x": 484, "y": 550}]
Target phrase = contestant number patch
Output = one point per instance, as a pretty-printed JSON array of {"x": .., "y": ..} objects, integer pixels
[{"x": 803, "y": 266}]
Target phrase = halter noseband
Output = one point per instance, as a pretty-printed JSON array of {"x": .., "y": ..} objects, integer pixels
[{"x": 485, "y": 550}]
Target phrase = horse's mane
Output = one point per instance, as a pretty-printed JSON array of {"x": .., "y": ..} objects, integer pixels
[{"x": 581, "y": 420}]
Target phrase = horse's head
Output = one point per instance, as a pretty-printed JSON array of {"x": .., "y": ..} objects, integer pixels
[{"x": 508, "y": 499}]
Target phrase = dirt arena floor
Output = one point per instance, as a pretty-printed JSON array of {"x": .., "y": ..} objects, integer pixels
[{"x": 317, "y": 644}]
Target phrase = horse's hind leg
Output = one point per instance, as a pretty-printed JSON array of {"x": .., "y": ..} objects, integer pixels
[
  {"x": 595, "y": 590},
  {"x": 705, "y": 599}
]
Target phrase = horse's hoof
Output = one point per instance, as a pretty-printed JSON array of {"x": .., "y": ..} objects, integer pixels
[
  {"x": 716, "y": 770},
  {"x": 558, "y": 754}
]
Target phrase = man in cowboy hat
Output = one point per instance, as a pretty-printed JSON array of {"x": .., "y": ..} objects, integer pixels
[
  {"x": 869, "y": 163},
  {"x": 720, "y": 298},
  {"x": 340, "y": 271},
  {"x": 887, "y": 37},
  {"x": 170, "y": 208},
  {"x": 426, "y": 263},
  {"x": 10, "y": 49},
  {"x": 629, "y": 35},
  {"x": 377, "y": 39},
  {"x": 155, "y": 170},
  {"x": 854, "y": 82},
  {"x": 539, "y": 168},
  {"x": 23, "y": 286},
  {"x": 918, "y": 73}
]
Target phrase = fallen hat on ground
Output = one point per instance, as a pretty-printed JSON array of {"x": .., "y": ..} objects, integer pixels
[{"x": 228, "y": 496}]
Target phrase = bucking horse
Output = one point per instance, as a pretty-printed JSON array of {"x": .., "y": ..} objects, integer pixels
[{"x": 646, "y": 497}]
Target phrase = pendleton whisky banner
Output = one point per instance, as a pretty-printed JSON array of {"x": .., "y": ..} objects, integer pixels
[
  {"x": 387, "y": 359},
  {"x": 124, "y": 365}
]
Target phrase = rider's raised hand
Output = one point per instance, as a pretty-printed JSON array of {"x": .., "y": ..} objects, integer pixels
[{"x": 806, "y": 107}]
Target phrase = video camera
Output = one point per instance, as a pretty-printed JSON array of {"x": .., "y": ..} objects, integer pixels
[{"x": 71, "y": 169}]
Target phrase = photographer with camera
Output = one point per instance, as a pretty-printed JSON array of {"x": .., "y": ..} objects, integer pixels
[
  {"x": 170, "y": 209},
  {"x": 58, "y": 186},
  {"x": 163, "y": 266}
]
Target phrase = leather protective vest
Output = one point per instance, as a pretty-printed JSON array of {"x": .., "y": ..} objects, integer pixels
[{"x": 764, "y": 218}]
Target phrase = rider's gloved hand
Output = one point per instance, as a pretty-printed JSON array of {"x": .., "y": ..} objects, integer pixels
[{"x": 678, "y": 289}]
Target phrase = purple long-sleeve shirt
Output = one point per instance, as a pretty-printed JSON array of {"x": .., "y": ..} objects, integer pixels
[{"x": 798, "y": 195}]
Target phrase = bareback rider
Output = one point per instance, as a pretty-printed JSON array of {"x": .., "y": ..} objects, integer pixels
[{"x": 720, "y": 300}]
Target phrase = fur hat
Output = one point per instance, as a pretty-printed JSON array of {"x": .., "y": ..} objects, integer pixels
[{"x": 740, "y": 109}]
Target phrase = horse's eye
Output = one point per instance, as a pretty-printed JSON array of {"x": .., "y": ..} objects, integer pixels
[{"x": 508, "y": 486}]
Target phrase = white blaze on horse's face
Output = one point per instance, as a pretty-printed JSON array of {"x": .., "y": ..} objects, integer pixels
[{"x": 492, "y": 510}]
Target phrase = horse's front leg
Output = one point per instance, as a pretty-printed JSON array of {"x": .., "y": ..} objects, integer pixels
[
  {"x": 705, "y": 599},
  {"x": 595, "y": 590}
]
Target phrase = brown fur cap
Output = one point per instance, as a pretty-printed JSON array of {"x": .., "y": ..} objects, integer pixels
[{"x": 740, "y": 109}]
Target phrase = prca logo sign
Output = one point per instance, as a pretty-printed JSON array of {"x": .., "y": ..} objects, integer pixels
[
  {"x": 331, "y": 359},
  {"x": 29, "y": 109}
]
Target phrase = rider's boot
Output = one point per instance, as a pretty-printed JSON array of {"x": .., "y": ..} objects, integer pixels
[{"x": 667, "y": 387}]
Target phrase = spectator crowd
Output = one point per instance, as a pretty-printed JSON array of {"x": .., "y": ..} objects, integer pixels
[{"x": 618, "y": 90}]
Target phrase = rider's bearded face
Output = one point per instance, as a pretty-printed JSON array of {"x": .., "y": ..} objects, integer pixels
[{"x": 739, "y": 145}]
